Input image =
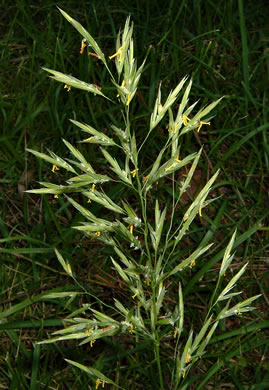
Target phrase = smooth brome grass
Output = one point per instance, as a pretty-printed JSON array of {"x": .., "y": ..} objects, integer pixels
[{"x": 141, "y": 243}]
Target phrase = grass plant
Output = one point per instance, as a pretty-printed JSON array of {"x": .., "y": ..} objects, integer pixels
[
  {"x": 147, "y": 274},
  {"x": 207, "y": 44}
]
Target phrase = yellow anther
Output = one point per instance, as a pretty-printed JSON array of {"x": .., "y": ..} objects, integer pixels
[
  {"x": 201, "y": 124},
  {"x": 88, "y": 139},
  {"x": 185, "y": 120},
  {"x": 54, "y": 168},
  {"x": 133, "y": 296},
  {"x": 175, "y": 128},
  {"x": 83, "y": 45},
  {"x": 188, "y": 358},
  {"x": 93, "y": 188},
  {"x": 88, "y": 331},
  {"x": 97, "y": 87},
  {"x": 94, "y": 55},
  {"x": 172, "y": 166},
  {"x": 131, "y": 228},
  {"x": 97, "y": 234},
  {"x": 169, "y": 168},
  {"x": 145, "y": 178},
  {"x": 89, "y": 200},
  {"x": 118, "y": 53},
  {"x": 177, "y": 159},
  {"x": 175, "y": 332},
  {"x": 192, "y": 264},
  {"x": 92, "y": 342},
  {"x": 200, "y": 210},
  {"x": 128, "y": 99},
  {"x": 68, "y": 87},
  {"x": 56, "y": 196},
  {"x": 98, "y": 383},
  {"x": 184, "y": 373},
  {"x": 239, "y": 312},
  {"x": 134, "y": 172},
  {"x": 122, "y": 86},
  {"x": 147, "y": 282}
]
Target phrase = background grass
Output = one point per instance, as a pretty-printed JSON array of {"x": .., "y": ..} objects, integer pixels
[{"x": 223, "y": 45}]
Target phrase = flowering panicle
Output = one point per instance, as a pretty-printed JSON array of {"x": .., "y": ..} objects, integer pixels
[{"x": 143, "y": 233}]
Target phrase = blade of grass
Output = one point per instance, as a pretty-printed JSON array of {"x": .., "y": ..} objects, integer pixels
[{"x": 35, "y": 367}]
